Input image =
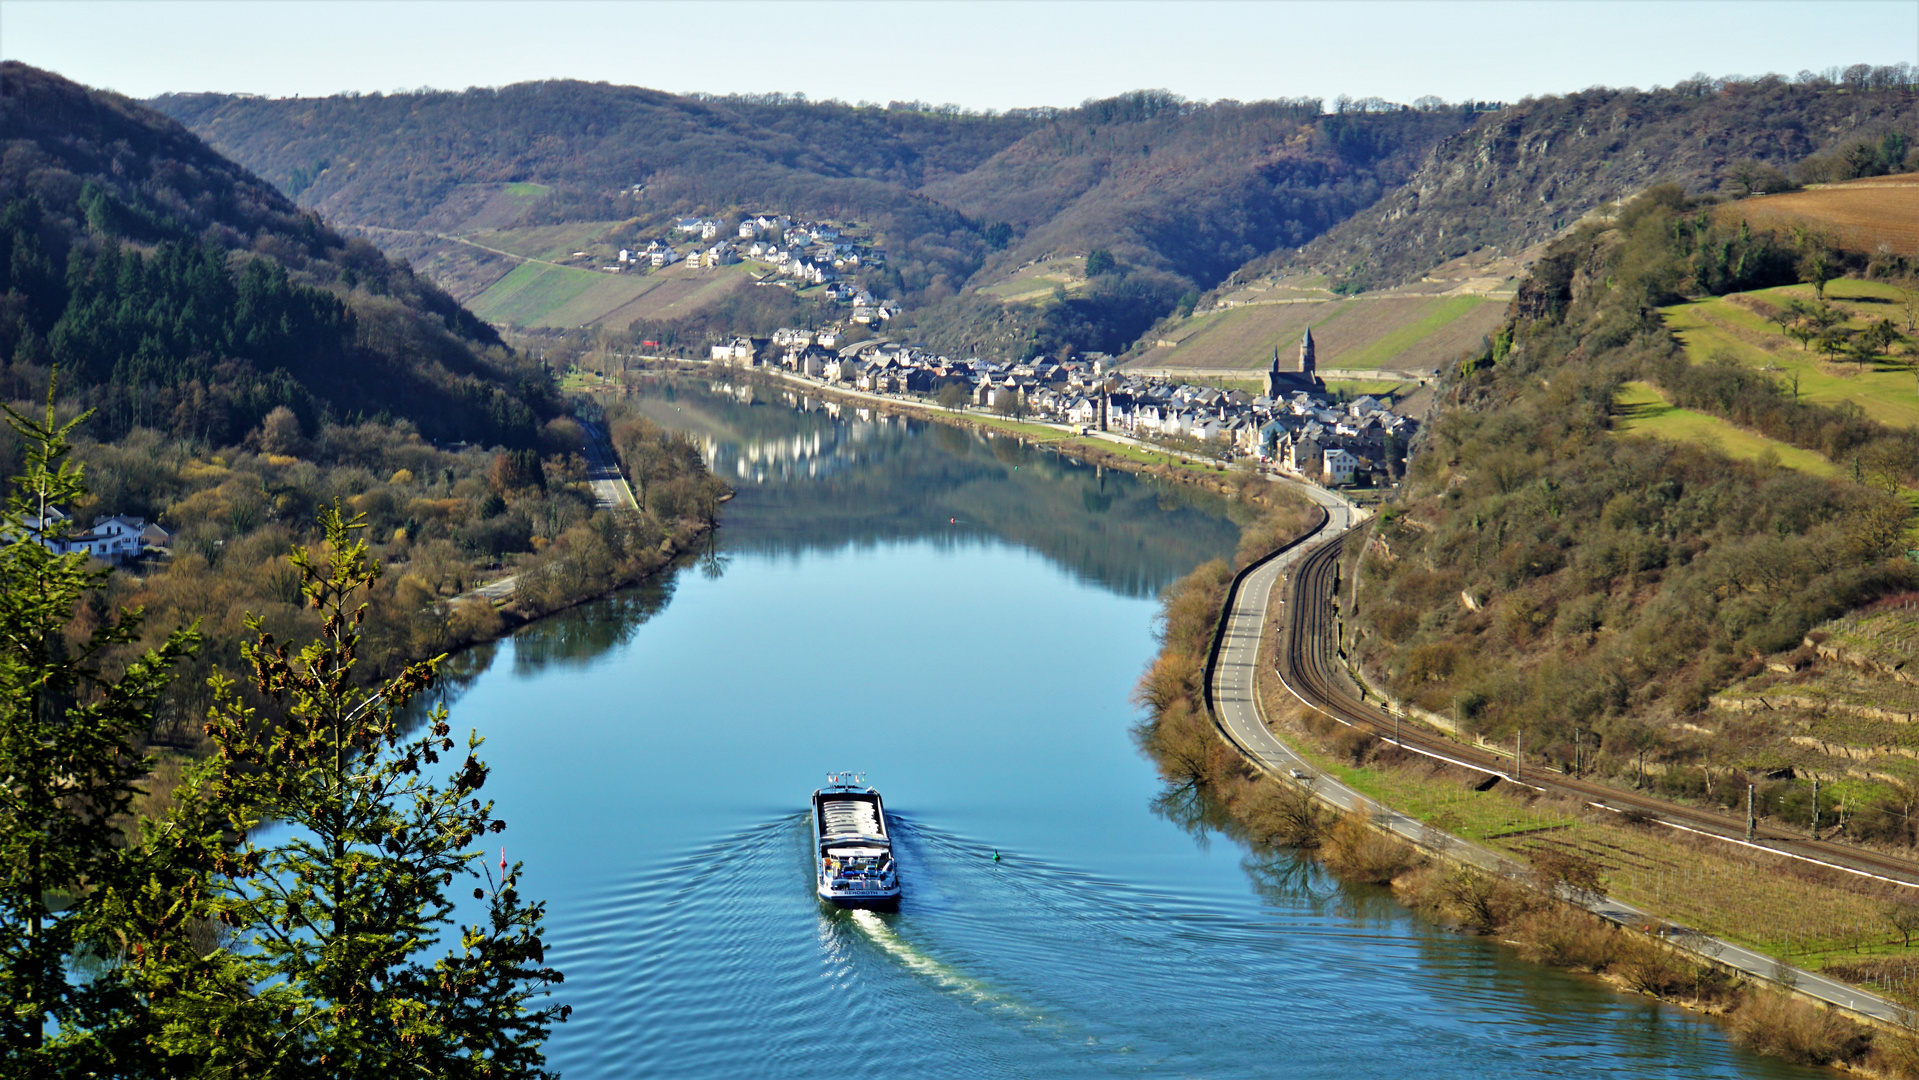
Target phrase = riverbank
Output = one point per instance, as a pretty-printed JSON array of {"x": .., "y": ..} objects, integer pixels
[
  {"x": 1533, "y": 906},
  {"x": 1108, "y": 449}
]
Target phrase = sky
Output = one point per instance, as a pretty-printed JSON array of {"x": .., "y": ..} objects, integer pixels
[{"x": 989, "y": 54}]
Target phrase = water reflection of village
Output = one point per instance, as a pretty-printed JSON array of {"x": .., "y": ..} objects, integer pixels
[
  {"x": 814, "y": 474},
  {"x": 810, "y": 454}
]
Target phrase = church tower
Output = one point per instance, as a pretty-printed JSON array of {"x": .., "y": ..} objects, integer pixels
[
  {"x": 1306, "y": 363},
  {"x": 1273, "y": 378}
]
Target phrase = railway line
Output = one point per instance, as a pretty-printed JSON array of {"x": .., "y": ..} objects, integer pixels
[{"x": 1308, "y": 666}]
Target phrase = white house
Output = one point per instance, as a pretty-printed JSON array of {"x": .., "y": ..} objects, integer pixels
[
  {"x": 113, "y": 539},
  {"x": 1340, "y": 466},
  {"x": 749, "y": 229},
  {"x": 688, "y": 225}
]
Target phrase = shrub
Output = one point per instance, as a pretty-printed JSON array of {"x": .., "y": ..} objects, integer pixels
[
  {"x": 1798, "y": 1031},
  {"x": 1650, "y": 968},
  {"x": 1283, "y": 815},
  {"x": 1468, "y": 897},
  {"x": 1357, "y": 852},
  {"x": 1565, "y": 937}
]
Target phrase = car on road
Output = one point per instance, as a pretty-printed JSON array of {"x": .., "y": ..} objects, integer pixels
[{"x": 1298, "y": 775}]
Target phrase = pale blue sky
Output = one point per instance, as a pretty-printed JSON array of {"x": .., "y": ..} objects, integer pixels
[{"x": 981, "y": 55}]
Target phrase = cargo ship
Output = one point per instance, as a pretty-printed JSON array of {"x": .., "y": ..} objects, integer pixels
[{"x": 852, "y": 844}]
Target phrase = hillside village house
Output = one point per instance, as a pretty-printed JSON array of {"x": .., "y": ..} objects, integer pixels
[
  {"x": 1340, "y": 467},
  {"x": 115, "y": 538}
]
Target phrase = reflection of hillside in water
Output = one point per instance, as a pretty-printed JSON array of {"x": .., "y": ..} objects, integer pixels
[{"x": 816, "y": 475}]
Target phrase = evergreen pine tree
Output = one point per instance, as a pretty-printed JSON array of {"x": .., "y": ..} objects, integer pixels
[
  {"x": 336, "y": 912},
  {"x": 70, "y": 767}
]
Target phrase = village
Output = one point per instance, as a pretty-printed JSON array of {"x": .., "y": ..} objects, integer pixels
[
  {"x": 1294, "y": 423},
  {"x": 792, "y": 253}
]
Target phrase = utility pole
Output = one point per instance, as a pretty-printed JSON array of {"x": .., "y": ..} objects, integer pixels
[
  {"x": 1750, "y": 823},
  {"x": 1815, "y": 808},
  {"x": 1519, "y": 743}
]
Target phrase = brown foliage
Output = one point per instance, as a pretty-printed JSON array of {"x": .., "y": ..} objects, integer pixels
[
  {"x": 1650, "y": 968},
  {"x": 1467, "y": 896},
  {"x": 1568, "y": 875},
  {"x": 1357, "y": 852},
  {"x": 1798, "y": 1031},
  {"x": 1563, "y": 936},
  {"x": 1283, "y": 815}
]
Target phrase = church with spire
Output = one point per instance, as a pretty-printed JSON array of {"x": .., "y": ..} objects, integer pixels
[{"x": 1287, "y": 383}]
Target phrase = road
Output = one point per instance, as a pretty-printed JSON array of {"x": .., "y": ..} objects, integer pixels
[
  {"x": 610, "y": 489},
  {"x": 1307, "y": 616}
]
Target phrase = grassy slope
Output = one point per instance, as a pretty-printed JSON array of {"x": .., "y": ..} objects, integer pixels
[
  {"x": 552, "y": 242},
  {"x": 1415, "y": 325},
  {"x": 1393, "y": 332},
  {"x": 1719, "y": 326},
  {"x": 536, "y": 294},
  {"x": 1744, "y": 898},
  {"x": 1034, "y": 284},
  {"x": 676, "y": 293},
  {"x": 1647, "y": 412}
]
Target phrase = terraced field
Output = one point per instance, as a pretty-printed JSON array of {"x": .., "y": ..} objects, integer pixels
[
  {"x": 1361, "y": 333},
  {"x": 1861, "y": 215},
  {"x": 1733, "y": 327},
  {"x": 1844, "y": 708}
]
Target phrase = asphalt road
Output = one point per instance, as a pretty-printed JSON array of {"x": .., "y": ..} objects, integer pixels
[
  {"x": 610, "y": 488},
  {"x": 1244, "y": 725}
]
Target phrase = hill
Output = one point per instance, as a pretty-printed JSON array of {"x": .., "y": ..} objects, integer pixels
[
  {"x": 1520, "y": 175},
  {"x": 175, "y": 290},
  {"x": 1600, "y": 541},
  {"x": 1179, "y": 193},
  {"x": 248, "y": 365}
]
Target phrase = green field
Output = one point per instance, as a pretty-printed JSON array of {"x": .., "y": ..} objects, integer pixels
[
  {"x": 1722, "y": 326},
  {"x": 1404, "y": 332},
  {"x": 535, "y": 294},
  {"x": 1645, "y": 411},
  {"x": 1373, "y": 387}
]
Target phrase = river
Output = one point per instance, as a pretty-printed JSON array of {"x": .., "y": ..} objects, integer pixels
[{"x": 963, "y": 618}]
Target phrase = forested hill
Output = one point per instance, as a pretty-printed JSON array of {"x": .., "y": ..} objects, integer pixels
[
  {"x": 1180, "y": 193},
  {"x": 175, "y": 290},
  {"x": 1518, "y": 175},
  {"x": 430, "y": 161}
]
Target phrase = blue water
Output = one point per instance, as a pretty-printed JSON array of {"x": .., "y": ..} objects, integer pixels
[{"x": 964, "y": 621}]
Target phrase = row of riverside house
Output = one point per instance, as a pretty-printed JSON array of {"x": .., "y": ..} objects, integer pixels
[{"x": 1295, "y": 423}]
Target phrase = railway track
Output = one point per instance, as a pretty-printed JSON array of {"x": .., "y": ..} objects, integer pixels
[{"x": 1309, "y": 668}]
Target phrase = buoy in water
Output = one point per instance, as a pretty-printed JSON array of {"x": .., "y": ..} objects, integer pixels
[{"x": 995, "y": 856}]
